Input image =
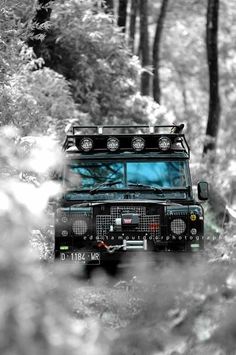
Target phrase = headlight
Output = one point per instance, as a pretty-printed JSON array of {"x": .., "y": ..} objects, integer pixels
[
  {"x": 178, "y": 226},
  {"x": 80, "y": 227},
  {"x": 113, "y": 144},
  {"x": 138, "y": 143},
  {"x": 86, "y": 144},
  {"x": 164, "y": 143}
]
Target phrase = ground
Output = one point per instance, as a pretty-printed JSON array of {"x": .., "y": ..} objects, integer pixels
[{"x": 180, "y": 304}]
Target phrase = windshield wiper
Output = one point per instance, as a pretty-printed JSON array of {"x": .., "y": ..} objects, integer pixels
[
  {"x": 74, "y": 190},
  {"x": 151, "y": 187},
  {"x": 105, "y": 183}
]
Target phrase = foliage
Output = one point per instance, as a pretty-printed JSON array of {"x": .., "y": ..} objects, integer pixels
[
  {"x": 42, "y": 97},
  {"x": 13, "y": 18},
  {"x": 33, "y": 98},
  {"x": 87, "y": 47},
  {"x": 92, "y": 55},
  {"x": 36, "y": 315}
]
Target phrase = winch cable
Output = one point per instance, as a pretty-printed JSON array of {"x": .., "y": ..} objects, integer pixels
[{"x": 110, "y": 248}]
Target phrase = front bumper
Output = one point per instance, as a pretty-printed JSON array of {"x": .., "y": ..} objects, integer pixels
[{"x": 117, "y": 251}]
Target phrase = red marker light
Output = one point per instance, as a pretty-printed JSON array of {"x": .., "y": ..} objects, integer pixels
[{"x": 154, "y": 226}]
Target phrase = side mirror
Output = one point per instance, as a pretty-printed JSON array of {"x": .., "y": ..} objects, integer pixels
[{"x": 202, "y": 189}]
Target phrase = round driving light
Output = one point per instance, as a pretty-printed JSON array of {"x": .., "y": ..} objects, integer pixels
[
  {"x": 64, "y": 219},
  {"x": 80, "y": 227},
  {"x": 193, "y": 231},
  {"x": 113, "y": 144},
  {"x": 178, "y": 226},
  {"x": 86, "y": 144},
  {"x": 64, "y": 233},
  {"x": 164, "y": 143},
  {"x": 138, "y": 143}
]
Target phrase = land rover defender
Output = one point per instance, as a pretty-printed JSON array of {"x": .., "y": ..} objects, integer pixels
[{"x": 127, "y": 190}]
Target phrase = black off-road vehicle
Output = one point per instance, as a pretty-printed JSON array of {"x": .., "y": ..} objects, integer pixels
[{"x": 127, "y": 193}]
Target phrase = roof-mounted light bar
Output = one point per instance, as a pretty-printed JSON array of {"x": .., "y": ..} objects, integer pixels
[
  {"x": 140, "y": 143},
  {"x": 89, "y": 139}
]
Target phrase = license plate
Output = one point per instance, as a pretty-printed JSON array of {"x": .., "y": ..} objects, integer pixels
[{"x": 84, "y": 257}]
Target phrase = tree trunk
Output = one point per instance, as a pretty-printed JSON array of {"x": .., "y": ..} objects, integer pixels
[
  {"x": 144, "y": 46},
  {"x": 132, "y": 25},
  {"x": 122, "y": 14},
  {"x": 212, "y": 58},
  {"x": 156, "y": 51},
  {"x": 109, "y": 6},
  {"x": 42, "y": 15}
]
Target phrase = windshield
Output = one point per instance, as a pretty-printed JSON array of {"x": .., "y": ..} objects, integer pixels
[
  {"x": 164, "y": 174},
  {"x": 159, "y": 174}
]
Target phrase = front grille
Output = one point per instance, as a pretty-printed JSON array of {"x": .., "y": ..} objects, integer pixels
[
  {"x": 103, "y": 224},
  {"x": 148, "y": 223}
]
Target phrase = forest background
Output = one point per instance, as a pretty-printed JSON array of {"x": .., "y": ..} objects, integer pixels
[{"x": 108, "y": 62}]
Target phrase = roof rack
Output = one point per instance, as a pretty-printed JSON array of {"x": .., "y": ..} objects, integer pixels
[
  {"x": 151, "y": 129},
  {"x": 102, "y": 133}
]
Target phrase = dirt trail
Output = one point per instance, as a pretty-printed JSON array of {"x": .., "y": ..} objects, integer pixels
[{"x": 178, "y": 305}]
